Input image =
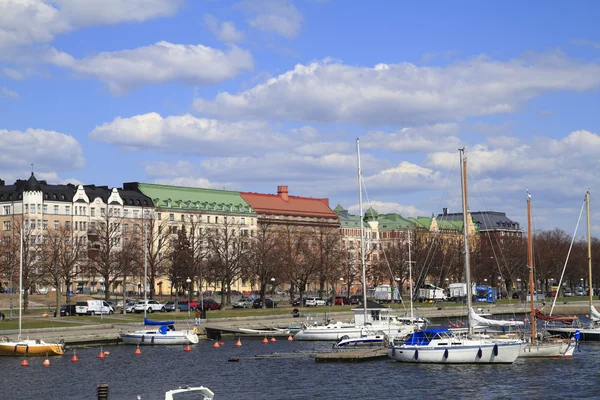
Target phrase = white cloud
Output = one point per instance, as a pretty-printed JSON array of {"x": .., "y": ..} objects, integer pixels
[
  {"x": 158, "y": 63},
  {"x": 9, "y": 94},
  {"x": 405, "y": 175},
  {"x": 189, "y": 134},
  {"x": 24, "y": 22},
  {"x": 279, "y": 16},
  {"x": 421, "y": 139},
  {"x": 224, "y": 31},
  {"x": 49, "y": 151},
  {"x": 405, "y": 94}
]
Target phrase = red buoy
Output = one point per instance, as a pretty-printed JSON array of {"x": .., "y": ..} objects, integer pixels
[
  {"x": 46, "y": 363},
  {"x": 24, "y": 363},
  {"x": 187, "y": 348},
  {"x": 216, "y": 345},
  {"x": 265, "y": 340}
]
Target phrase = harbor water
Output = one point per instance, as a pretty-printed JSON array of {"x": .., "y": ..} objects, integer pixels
[{"x": 157, "y": 369}]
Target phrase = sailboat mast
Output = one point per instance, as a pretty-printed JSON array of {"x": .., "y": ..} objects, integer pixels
[
  {"x": 410, "y": 280},
  {"x": 589, "y": 249},
  {"x": 530, "y": 266},
  {"x": 362, "y": 232},
  {"x": 146, "y": 272},
  {"x": 463, "y": 179},
  {"x": 21, "y": 280}
]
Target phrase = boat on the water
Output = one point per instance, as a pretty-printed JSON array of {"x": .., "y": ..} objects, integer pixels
[
  {"x": 539, "y": 346},
  {"x": 159, "y": 333},
  {"x": 441, "y": 346},
  {"x": 28, "y": 347},
  {"x": 204, "y": 392}
]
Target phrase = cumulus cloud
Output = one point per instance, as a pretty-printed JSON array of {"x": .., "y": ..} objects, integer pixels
[
  {"x": 9, "y": 94},
  {"x": 189, "y": 134},
  {"x": 405, "y": 94},
  {"x": 162, "y": 62},
  {"x": 278, "y": 16},
  {"x": 24, "y": 22},
  {"x": 224, "y": 31},
  {"x": 49, "y": 151},
  {"x": 415, "y": 139},
  {"x": 383, "y": 207}
]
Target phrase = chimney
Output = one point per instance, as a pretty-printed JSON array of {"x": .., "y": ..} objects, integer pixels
[
  {"x": 283, "y": 192},
  {"x": 1, "y": 182},
  {"x": 445, "y": 211}
]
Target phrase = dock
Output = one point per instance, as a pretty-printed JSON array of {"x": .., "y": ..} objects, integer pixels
[{"x": 353, "y": 355}]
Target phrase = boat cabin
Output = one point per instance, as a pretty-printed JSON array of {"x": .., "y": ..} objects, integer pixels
[{"x": 425, "y": 337}]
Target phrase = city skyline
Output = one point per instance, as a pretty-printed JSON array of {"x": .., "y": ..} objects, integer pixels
[{"x": 250, "y": 95}]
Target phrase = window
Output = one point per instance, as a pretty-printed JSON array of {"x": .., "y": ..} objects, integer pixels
[
  {"x": 55, "y": 210},
  {"x": 6, "y": 210},
  {"x": 75, "y": 209},
  {"x": 45, "y": 208},
  {"x": 216, "y": 220},
  {"x": 32, "y": 208},
  {"x": 39, "y": 209},
  {"x": 67, "y": 225},
  {"x": 45, "y": 224},
  {"x": 159, "y": 216},
  {"x": 208, "y": 219},
  {"x": 92, "y": 226},
  {"x": 125, "y": 227},
  {"x": 56, "y": 224},
  {"x": 67, "y": 210},
  {"x": 126, "y": 213},
  {"x": 171, "y": 217},
  {"x": 26, "y": 208},
  {"x": 243, "y": 220},
  {"x": 135, "y": 227},
  {"x": 189, "y": 203},
  {"x": 102, "y": 212},
  {"x": 116, "y": 212},
  {"x": 169, "y": 203},
  {"x": 7, "y": 225},
  {"x": 93, "y": 211},
  {"x": 136, "y": 213},
  {"x": 182, "y": 218},
  {"x": 32, "y": 224}
]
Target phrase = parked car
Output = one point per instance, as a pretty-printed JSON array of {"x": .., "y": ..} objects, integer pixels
[
  {"x": 130, "y": 307},
  {"x": 297, "y": 302},
  {"x": 579, "y": 292},
  {"x": 208, "y": 304},
  {"x": 183, "y": 305},
  {"x": 339, "y": 300},
  {"x": 258, "y": 303},
  {"x": 112, "y": 305},
  {"x": 93, "y": 307},
  {"x": 314, "y": 301},
  {"x": 568, "y": 293},
  {"x": 150, "y": 306},
  {"x": 171, "y": 306},
  {"x": 244, "y": 302},
  {"x": 356, "y": 299},
  {"x": 67, "y": 310}
]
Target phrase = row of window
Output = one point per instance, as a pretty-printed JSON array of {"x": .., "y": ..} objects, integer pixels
[
  {"x": 209, "y": 219},
  {"x": 215, "y": 207},
  {"x": 78, "y": 210}
]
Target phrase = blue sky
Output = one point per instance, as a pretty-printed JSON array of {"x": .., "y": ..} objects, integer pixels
[{"x": 249, "y": 95}]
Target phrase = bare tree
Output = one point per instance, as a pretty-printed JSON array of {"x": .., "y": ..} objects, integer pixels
[
  {"x": 181, "y": 266},
  {"x": 156, "y": 237},
  {"x": 262, "y": 259},
  {"x": 106, "y": 240},
  {"x": 293, "y": 243}
]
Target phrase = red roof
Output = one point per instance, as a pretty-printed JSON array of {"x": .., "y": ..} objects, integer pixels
[{"x": 282, "y": 204}]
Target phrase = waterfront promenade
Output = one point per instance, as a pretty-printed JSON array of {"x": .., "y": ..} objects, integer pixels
[{"x": 97, "y": 331}]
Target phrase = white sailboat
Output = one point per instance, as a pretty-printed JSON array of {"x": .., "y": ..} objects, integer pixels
[
  {"x": 370, "y": 320},
  {"x": 441, "y": 346},
  {"x": 537, "y": 347},
  {"x": 160, "y": 332},
  {"x": 590, "y": 332},
  {"x": 31, "y": 347}
]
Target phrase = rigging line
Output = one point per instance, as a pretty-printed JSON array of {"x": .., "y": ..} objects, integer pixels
[{"x": 567, "y": 260}]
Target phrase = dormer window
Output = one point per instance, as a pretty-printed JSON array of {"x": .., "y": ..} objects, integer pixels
[
  {"x": 169, "y": 203},
  {"x": 189, "y": 203}
]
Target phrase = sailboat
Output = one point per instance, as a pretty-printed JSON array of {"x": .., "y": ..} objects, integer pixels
[
  {"x": 592, "y": 331},
  {"x": 32, "y": 347},
  {"x": 537, "y": 347},
  {"x": 441, "y": 346},
  {"x": 371, "y": 322},
  {"x": 160, "y": 332}
]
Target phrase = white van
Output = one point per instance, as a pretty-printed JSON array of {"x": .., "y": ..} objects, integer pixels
[{"x": 92, "y": 307}]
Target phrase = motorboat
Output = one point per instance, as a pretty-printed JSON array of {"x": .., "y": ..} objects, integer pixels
[
  {"x": 31, "y": 347},
  {"x": 204, "y": 392},
  {"x": 160, "y": 333}
]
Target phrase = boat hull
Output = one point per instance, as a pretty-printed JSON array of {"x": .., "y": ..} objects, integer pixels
[
  {"x": 157, "y": 338},
  {"x": 31, "y": 348},
  {"x": 484, "y": 353},
  {"x": 559, "y": 349},
  {"x": 585, "y": 334}
]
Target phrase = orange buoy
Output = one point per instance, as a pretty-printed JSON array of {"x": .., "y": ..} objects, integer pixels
[
  {"x": 265, "y": 340},
  {"x": 24, "y": 363},
  {"x": 187, "y": 348},
  {"x": 74, "y": 358},
  {"x": 216, "y": 345},
  {"x": 273, "y": 339},
  {"x": 106, "y": 353},
  {"x": 238, "y": 343},
  {"x": 221, "y": 343},
  {"x": 101, "y": 354},
  {"x": 138, "y": 351},
  {"x": 46, "y": 363},
  {"x": 290, "y": 338}
]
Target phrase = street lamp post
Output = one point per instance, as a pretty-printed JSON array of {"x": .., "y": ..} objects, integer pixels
[
  {"x": 341, "y": 291},
  {"x": 189, "y": 282}
]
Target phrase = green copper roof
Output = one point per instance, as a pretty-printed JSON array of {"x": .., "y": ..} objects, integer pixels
[
  {"x": 188, "y": 198},
  {"x": 394, "y": 221}
]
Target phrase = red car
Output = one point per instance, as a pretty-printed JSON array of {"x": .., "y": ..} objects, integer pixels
[{"x": 208, "y": 304}]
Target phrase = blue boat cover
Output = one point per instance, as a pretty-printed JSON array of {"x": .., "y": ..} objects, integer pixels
[
  {"x": 424, "y": 337},
  {"x": 149, "y": 322}
]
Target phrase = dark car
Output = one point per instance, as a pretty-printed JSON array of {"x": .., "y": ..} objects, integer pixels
[
  {"x": 208, "y": 304},
  {"x": 297, "y": 302},
  {"x": 171, "y": 306},
  {"x": 258, "y": 303},
  {"x": 356, "y": 299},
  {"x": 67, "y": 310},
  {"x": 183, "y": 305}
]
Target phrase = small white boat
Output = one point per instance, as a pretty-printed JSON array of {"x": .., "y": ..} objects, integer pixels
[
  {"x": 379, "y": 339},
  {"x": 204, "y": 392},
  {"x": 164, "y": 334}
]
